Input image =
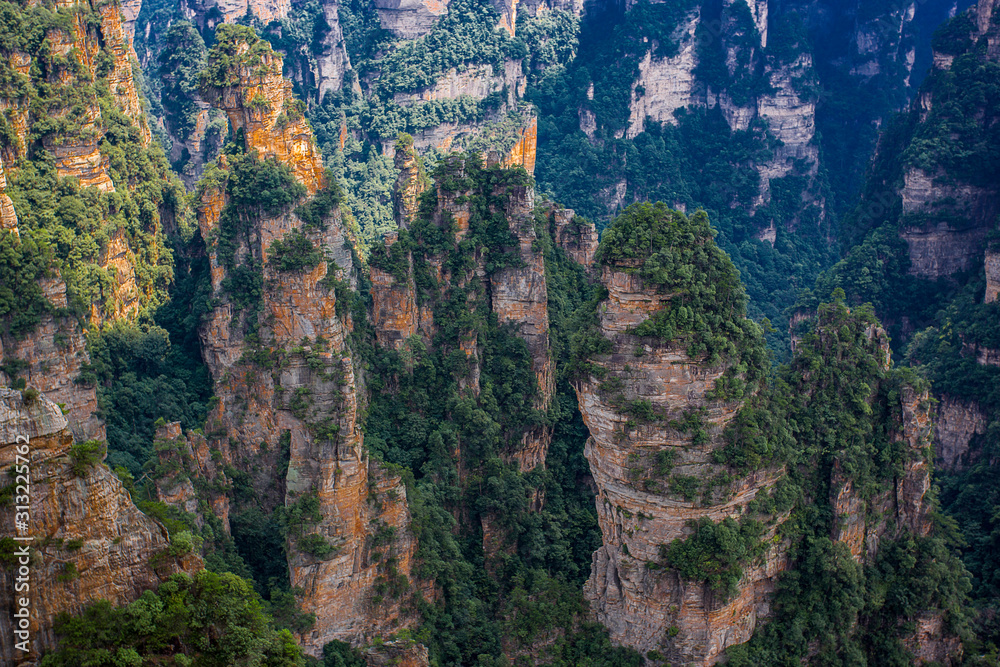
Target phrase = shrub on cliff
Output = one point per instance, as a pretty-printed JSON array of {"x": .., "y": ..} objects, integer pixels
[
  {"x": 294, "y": 252},
  {"x": 235, "y": 46},
  {"x": 676, "y": 255},
  {"x": 206, "y": 619}
]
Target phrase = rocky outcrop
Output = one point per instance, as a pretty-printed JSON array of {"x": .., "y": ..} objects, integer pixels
[
  {"x": 8, "y": 216},
  {"x": 948, "y": 222},
  {"x": 410, "y": 184},
  {"x": 88, "y": 542},
  {"x": 78, "y": 153},
  {"x": 51, "y": 360},
  {"x": 332, "y": 61},
  {"x": 291, "y": 390},
  {"x": 791, "y": 118},
  {"x": 637, "y": 600},
  {"x": 665, "y": 85},
  {"x": 576, "y": 236},
  {"x": 229, "y": 11},
  {"x": 946, "y": 214},
  {"x": 409, "y": 19},
  {"x": 956, "y": 423},
  {"x": 260, "y": 102},
  {"x": 523, "y": 153},
  {"x": 394, "y": 313},
  {"x": 519, "y": 297},
  {"x": 476, "y": 82},
  {"x": 398, "y": 653},
  {"x": 992, "y": 264},
  {"x": 863, "y": 523},
  {"x": 186, "y": 461}
]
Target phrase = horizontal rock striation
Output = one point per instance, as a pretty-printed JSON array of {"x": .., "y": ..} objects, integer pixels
[
  {"x": 89, "y": 541},
  {"x": 639, "y": 602}
]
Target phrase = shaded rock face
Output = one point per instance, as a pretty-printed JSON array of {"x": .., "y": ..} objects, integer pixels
[
  {"x": 332, "y": 62},
  {"x": 956, "y": 423},
  {"x": 946, "y": 216},
  {"x": 577, "y": 237},
  {"x": 192, "y": 459},
  {"x": 992, "y": 264},
  {"x": 647, "y": 605},
  {"x": 54, "y": 355},
  {"x": 291, "y": 393},
  {"x": 667, "y": 84},
  {"x": 519, "y": 297},
  {"x": 202, "y": 144},
  {"x": 637, "y": 512},
  {"x": 79, "y": 155},
  {"x": 117, "y": 543},
  {"x": 860, "y": 523},
  {"x": 477, "y": 82},
  {"x": 937, "y": 247},
  {"x": 397, "y": 654},
  {"x": 229, "y": 11}
]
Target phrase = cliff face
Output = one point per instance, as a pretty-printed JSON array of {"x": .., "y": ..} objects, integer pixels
[
  {"x": 957, "y": 422},
  {"x": 667, "y": 84},
  {"x": 63, "y": 108},
  {"x": 576, "y": 237},
  {"x": 53, "y": 356},
  {"x": 89, "y": 540},
  {"x": 661, "y": 452},
  {"x": 637, "y": 511},
  {"x": 259, "y": 102},
  {"x": 947, "y": 209},
  {"x": 516, "y": 294},
  {"x": 291, "y": 391},
  {"x": 231, "y": 10},
  {"x": 78, "y": 154},
  {"x": 409, "y": 19}
]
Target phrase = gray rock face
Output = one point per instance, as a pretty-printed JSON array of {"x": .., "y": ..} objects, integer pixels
[
  {"x": 409, "y": 19},
  {"x": 332, "y": 62}
]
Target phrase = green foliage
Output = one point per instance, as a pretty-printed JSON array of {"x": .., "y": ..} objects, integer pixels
[
  {"x": 314, "y": 212},
  {"x": 716, "y": 553},
  {"x": 144, "y": 373},
  {"x": 255, "y": 189},
  {"x": 706, "y": 310},
  {"x": 294, "y": 252},
  {"x": 236, "y": 46},
  {"x": 208, "y": 619},
  {"x": 85, "y": 455},
  {"x": 22, "y": 263},
  {"x": 340, "y": 654}
]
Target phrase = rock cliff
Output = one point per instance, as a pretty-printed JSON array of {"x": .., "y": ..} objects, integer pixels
[
  {"x": 287, "y": 383},
  {"x": 69, "y": 109},
  {"x": 947, "y": 209},
  {"x": 956, "y": 423},
  {"x": 639, "y": 507},
  {"x": 89, "y": 541},
  {"x": 259, "y": 103},
  {"x": 661, "y": 435}
]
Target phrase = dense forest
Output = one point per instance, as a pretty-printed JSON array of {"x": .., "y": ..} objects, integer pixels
[{"x": 489, "y": 333}]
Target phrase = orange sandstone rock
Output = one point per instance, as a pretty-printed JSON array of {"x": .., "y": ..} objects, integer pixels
[{"x": 117, "y": 541}]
